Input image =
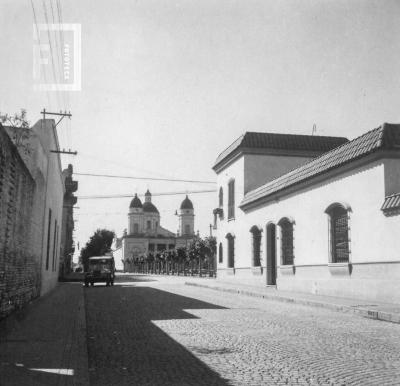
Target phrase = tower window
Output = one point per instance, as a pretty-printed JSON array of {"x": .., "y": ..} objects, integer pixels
[
  {"x": 148, "y": 224},
  {"x": 187, "y": 229},
  {"x": 135, "y": 228}
]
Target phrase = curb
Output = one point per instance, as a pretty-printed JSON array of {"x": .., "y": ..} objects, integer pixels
[{"x": 358, "y": 310}]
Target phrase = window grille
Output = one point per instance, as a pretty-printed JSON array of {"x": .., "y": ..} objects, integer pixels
[
  {"x": 339, "y": 235},
  {"x": 231, "y": 199},
  {"x": 256, "y": 246},
  {"x": 286, "y": 242}
]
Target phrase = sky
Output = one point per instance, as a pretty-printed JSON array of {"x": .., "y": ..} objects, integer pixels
[{"x": 167, "y": 85}]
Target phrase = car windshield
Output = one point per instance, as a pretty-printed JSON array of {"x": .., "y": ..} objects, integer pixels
[{"x": 100, "y": 265}]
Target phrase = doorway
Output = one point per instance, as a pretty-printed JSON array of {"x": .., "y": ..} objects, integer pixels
[{"x": 271, "y": 254}]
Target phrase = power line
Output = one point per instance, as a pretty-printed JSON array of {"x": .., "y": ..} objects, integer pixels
[
  {"x": 143, "y": 178},
  {"x": 40, "y": 46},
  {"x": 153, "y": 194}
]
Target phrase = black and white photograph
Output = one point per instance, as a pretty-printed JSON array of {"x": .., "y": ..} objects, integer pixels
[{"x": 199, "y": 192}]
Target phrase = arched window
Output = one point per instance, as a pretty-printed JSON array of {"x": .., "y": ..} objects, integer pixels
[
  {"x": 221, "y": 197},
  {"x": 287, "y": 255},
  {"x": 220, "y": 253},
  {"x": 256, "y": 246},
  {"x": 231, "y": 250},
  {"x": 339, "y": 232}
]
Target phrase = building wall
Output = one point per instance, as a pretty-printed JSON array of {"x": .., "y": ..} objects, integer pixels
[
  {"x": 261, "y": 168},
  {"x": 67, "y": 247},
  {"x": 374, "y": 241},
  {"x": 224, "y": 225},
  {"x": 118, "y": 259},
  {"x": 53, "y": 193},
  {"x": 45, "y": 168},
  {"x": 19, "y": 264}
]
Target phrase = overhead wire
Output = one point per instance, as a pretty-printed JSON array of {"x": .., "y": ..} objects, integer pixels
[
  {"x": 55, "y": 76},
  {"x": 144, "y": 178},
  {"x": 153, "y": 194},
  {"x": 40, "y": 48}
]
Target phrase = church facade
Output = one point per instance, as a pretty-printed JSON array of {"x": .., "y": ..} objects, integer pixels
[
  {"x": 146, "y": 235},
  {"x": 329, "y": 226}
]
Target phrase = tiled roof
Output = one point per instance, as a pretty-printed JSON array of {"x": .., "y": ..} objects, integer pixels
[
  {"x": 391, "y": 202},
  {"x": 276, "y": 141},
  {"x": 386, "y": 136}
]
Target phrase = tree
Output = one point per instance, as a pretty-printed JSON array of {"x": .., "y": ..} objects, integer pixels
[
  {"x": 20, "y": 130},
  {"x": 98, "y": 245}
]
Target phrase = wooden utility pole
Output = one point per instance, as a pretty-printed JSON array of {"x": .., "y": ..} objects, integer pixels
[{"x": 61, "y": 114}]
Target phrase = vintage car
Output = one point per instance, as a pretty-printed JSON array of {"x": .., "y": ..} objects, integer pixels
[{"x": 101, "y": 269}]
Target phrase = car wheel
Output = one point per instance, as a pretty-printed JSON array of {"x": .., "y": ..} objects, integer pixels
[
  {"x": 86, "y": 284},
  {"x": 112, "y": 282},
  {"x": 92, "y": 283}
]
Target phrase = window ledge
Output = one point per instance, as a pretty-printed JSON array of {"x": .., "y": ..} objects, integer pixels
[
  {"x": 340, "y": 269},
  {"x": 231, "y": 219},
  {"x": 286, "y": 270},
  {"x": 257, "y": 270}
]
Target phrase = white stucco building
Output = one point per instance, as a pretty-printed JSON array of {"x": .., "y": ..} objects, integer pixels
[
  {"x": 44, "y": 164},
  {"x": 328, "y": 225}
]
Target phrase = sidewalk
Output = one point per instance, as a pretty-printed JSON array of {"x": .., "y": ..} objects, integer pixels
[
  {"x": 45, "y": 344},
  {"x": 370, "y": 309}
]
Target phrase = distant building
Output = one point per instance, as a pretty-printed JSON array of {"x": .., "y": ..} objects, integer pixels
[
  {"x": 328, "y": 225},
  {"x": 67, "y": 242},
  {"x": 145, "y": 233}
]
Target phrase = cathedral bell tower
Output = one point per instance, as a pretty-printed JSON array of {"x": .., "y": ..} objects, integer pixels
[{"x": 186, "y": 218}]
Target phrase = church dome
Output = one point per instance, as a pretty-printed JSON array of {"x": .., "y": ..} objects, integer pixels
[
  {"x": 186, "y": 204},
  {"x": 136, "y": 203},
  {"x": 149, "y": 207}
]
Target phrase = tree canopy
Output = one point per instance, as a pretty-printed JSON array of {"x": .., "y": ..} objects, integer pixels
[
  {"x": 20, "y": 131},
  {"x": 98, "y": 245}
]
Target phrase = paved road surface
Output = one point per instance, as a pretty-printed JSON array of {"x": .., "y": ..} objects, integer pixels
[{"x": 154, "y": 331}]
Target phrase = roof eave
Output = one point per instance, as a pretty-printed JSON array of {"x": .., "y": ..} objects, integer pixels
[{"x": 326, "y": 174}]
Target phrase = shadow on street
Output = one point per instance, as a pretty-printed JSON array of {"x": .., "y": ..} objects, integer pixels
[{"x": 126, "y": 348}]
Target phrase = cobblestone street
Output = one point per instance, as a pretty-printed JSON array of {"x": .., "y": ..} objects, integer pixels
[{"x": 159, "y": 331}]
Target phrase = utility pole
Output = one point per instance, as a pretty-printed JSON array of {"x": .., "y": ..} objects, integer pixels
[
  {"x": 61, "y": 114},
  {"x": 211, "y": 230}
]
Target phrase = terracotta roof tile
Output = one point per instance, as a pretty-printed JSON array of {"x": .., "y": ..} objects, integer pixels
[
  {"x": 276, "y": 141},
  {"x": 386, "y": 136}
]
